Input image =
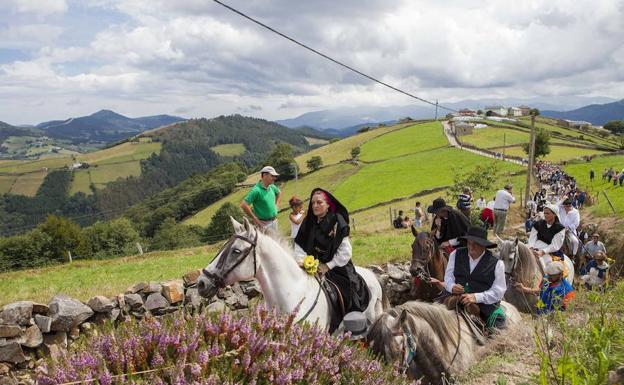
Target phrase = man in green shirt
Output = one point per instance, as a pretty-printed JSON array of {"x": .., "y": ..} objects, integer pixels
[{"x": 262, "y": 202}]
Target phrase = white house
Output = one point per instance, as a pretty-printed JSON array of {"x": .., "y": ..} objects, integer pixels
[
  {"x": 498, "y": 110},
  {"x": 514, "y": 111}
]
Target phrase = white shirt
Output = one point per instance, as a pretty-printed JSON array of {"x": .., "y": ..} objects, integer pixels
[
  {"x": 503, "y": 200},
  {"x": 492, "y": 295},
  {"x": 481, "y": 203},
  {"x": 341, "y": 257},
  {"x": 555, "y": 244},
  {"x": 294, "y": 228},
  {"x": 569, "y": 220},
  {"x": 490, "y": 205}
]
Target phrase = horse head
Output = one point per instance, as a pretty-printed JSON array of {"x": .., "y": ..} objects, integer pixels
[
  {"x": 236, "y": 261},
  {"x": 424, "y": 250},
  {"x": 508, "y": 253},
  {"x": 387, "y": 337}
]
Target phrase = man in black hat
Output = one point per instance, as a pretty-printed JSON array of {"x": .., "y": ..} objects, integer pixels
[
  {"x": 448, "y": 225},
  {"x": 478, "y": 277}
]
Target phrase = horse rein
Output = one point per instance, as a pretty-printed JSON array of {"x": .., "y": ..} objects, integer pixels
[{"x": 220, "y": 279}]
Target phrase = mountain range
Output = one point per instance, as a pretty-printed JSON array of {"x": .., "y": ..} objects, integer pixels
[{"x": 596, "y": 114}]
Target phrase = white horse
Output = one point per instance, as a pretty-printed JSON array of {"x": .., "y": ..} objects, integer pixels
[{"x": 251, "y": 253}]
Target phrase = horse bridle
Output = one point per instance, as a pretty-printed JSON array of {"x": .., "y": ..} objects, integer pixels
[
  {"x": 409, "y": 348},
  {"x": 425, "y": 274},
  {"x": 514, "y": 264},
  {"x": 219, "y": 278}
]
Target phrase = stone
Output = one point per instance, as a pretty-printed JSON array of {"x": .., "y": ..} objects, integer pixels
[
  {"x": 376, "y": 269},
  {"x": 58, "y": 338},
  {"x": 190, "y": 278},
  {"x": 32, "y": 337},
  {"x": 155, "y": 301},
  {"x": 74, "y": 333},
  {"x": 114, "y": 314},
  {"x": 216, "y": 307},
  {"x": 12, "y": 352},
  {"x": 251, "y": 288},
  {"x": 9, "y": 330},
  {"x": 121, "y": 301},
  {"x": 192, "y": 297},
  {"x": 55, "y": 352},
  {"x": 6, "y": 380},
  {"x": 67, "y": 313},
  {"x": 173, "y": 291},
  {"x": 87, "y": 327},
  {"x": 395, "y": 273},
  {"x": 225, "y": 292},
  {"x": 44, "y": 323},
  {"x": 133, "y": 300},
  {"x": 100, "y": 304},
  {"x": 137, "y": 314},
  {"x": 616, "y": 377},
  {"x": 17, "y": 313},
  {"x": 4, "y": 368},
  {"x": 136, "y": 288},
  {"x": 39, "y": 308},
  {"x": 153, "y": 287}
]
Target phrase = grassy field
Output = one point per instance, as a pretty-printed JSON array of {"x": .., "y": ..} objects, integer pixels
[
  {"x": 341, "y": 149},
  {"x": 492, "y": 137},
  {"x": 557, "y": 153},
  {"x": 313, "y": 141},
  {"x": 81, "y": 182},
  {"x": 409, "y": 140},
  {"x": 105, "y": 173},
  {"x": 402, "y": 177},
  {"x": 28, "y": 184},
  {"x": 232, "y": 149},
  {"x": 6, "y": 182},
  {"x": 579, "y": 135},
  {"x": 580, "y": 170}
]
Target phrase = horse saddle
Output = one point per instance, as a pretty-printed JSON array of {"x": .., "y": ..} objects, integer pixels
[
  {"x": 471, "y": 314},
  {"x": 334, "y": 297}
]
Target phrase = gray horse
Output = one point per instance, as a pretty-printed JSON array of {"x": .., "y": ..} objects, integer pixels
[{"x": 520, "y": 267}]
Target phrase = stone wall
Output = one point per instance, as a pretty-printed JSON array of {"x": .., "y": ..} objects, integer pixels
[{"x": 31, "y": 332}]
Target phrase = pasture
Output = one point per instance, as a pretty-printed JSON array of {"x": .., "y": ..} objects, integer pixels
[
  {"x": 557, "y": 153},
  {"x": 231, "y": 149},
  {"x": 28, "y": 184},
  {"x": 409, "y": 140},
  {"x": 492, "y": 137},
  {"x": 315, "y": 141},
  {"x": 6, "y": 183}
]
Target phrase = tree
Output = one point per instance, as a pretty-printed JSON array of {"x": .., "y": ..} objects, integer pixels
[
  {"x": 355, "y": 152},
  {"x": 109, "y": 239},
  {"x": 314, "y": 163},
  {"x": 220, "y": 226},
  {"x": 281, "y": 158},
  {"x": 534, "y": 111},
  {"x": 172, "y": 235},
  {"x": 479, "y": 112},
  {"x": 64, "y": 236},
  {"x": 615, "y": 126},
  {"x": 480, "y": 179},
  {"x": 542, "y": 144}
]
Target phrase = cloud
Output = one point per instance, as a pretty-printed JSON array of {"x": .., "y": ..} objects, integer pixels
[
  {"x": 38, "y": 7},
  {"x": 194, "y": 56}
]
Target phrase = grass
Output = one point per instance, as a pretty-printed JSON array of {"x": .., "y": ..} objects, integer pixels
[
  {"x": 313, "y": 141},
  {"x": 409, "y": 140},
  {"x": 405, "y": 176},
  {"x": 587, "y": 137},
  {"x": 81, "y": 182},
  {"x": 492, "y": 137},
  {"x": 580, "y": 170},
  {"x": 105, "y": 173},
  {"x": 232, "y": 149},
  {"x": 341, "y": 149},
  {"x": 6, "y": 182},
  {"x": 86, "y": 278},
  {"x": 557, "y": 153},
  {"x": 28, "y": 184}
]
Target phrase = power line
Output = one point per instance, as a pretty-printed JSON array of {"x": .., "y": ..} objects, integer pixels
[{"x": 435, "y": 104}]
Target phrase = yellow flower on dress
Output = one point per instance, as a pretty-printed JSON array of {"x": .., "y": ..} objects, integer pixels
[{"x": 310, "y": 264}]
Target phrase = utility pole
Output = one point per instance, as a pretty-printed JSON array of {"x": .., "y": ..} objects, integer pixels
[
  {"x": 527, "y": 192},
  {"x": 436, "y": 113},
  {"x": 504, "y": 143},
  {"x": 296, "y": 177}
]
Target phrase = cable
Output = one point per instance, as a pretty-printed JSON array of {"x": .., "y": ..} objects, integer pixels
[{"x": 332, "y": 59}]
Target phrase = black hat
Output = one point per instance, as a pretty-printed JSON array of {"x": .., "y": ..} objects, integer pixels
[
  {"x": 479, "y": 235},
  {"x": 567, "y": 202},
  {"x": 438, "y": 204},
  {"x": 356, "y": 323}
]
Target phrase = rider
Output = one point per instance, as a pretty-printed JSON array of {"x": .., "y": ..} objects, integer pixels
[
  {"x": 475, "y": 274},
  {"x": 448, "y": 226},
  {"x": 547, "y": 236},
  {"x": 324, "y": 234},
  {"x": 570, "y": 219}
]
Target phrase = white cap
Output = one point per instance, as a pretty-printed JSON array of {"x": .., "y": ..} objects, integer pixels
[
  {"x": 270, "y": 170},
  {"x": 553, "y": 268},
  {"x": 552, "y": 207}
]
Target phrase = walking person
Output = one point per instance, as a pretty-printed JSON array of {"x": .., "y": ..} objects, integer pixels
[
  {"x": 502, "y": 201},
  {"x": 418, "y": 215},
  {"x": 481, "y": 203},
  {"x": 262, "y": 202},
  {"x": 592, "y": 175},
  {"x": 464, "y": 202}
]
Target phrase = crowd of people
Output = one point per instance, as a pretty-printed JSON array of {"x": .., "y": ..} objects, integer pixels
[{"x": 552, "y": 220}]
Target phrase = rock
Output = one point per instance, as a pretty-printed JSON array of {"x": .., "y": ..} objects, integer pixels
[
  {"x": 39, "y": 308},
  {"x": 114, "y": 314},
  {"x": 155, "y": 301},
  {"x": 190, "y": 278},
  {"x": 55, "y": 352},
  {"x": 67, "y": 313},
  {"x": 134, "y": 301},
  {"x": 44, "y": 323},
  {"x": 6, "y": 380},
  {"x": 100, "y": 304},
  {"x": 616, "y": 377},
  {"x": 192, "y": 297},
  {"x": 153, "y": 287},
  {"x": 376, "y": 269},
  {"x": 121, "y": 301},
  {"x": 32, "y": 338},
  {"x": 136, "y": 288},
  {"x": 12, "y": 352},
  {"x": 58, "y": 338},
  {"x": 74, "y": 333},
  {"x": 251, "y": 288},
  {"x": 237, "y": 301},
  {"x": 137, "y": 314},
  {"x": 9, "y": 330},
  {"x": 17, "y": 313},
  {"x": 87, "y": 328},
  {"x": 173, "y": 291},
  {"x": 395, "y": 273},
  {"x": 216, "y": 307},
  {"x": 225, "y": 292},
  {"x": 4, "y": 368}
]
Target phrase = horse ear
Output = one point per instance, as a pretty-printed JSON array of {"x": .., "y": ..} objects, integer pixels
[
  {"x": 414, "y": 231},
  {"x": 238, "y": 227},
  {"x": 516, "y": 242},
  {"x": 247, "y": 224}
]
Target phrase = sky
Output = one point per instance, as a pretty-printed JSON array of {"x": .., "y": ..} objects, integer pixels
[{"x": 194, "y": 58}]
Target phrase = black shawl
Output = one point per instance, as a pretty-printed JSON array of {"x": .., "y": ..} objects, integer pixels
[{"x": 454, "y": 226}]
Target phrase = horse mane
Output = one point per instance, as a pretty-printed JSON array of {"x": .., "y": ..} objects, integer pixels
[
  {"x": 528, "y": 265},
  {"x": 278, "y": 238}
]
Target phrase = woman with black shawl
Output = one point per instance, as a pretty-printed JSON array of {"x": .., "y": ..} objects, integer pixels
[{"x": 324, "y": 234}]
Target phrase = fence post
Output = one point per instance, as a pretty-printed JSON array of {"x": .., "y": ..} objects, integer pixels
[
  {"x": 390, "y": 214},
  {"x": 69, "y": 256},
  {"x": 608, "y": 200},
  {"x": 138, "y": 245},
  {"x": 353, "y": 224}
]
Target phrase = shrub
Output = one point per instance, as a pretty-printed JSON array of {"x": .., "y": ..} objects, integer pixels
[
  {"x": 220, "y": 225},
  {"x": 262, "y": 348},
  {"x": 64, "y": 235},
  {"x": 109, "y": 239},
  {"x": 355, "y": 152},
  {"x": 172, "y": 235},
  {"x": 314, "y": 163}
]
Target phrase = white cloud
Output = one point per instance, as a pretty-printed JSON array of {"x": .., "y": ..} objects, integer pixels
[{"x": 45, "y": 7}]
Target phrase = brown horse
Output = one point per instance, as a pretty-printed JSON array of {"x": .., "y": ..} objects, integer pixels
[{"x": 428, "y": 262}]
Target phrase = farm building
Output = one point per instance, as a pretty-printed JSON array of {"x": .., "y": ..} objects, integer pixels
[
  {"x": 495, "y": 110},
  {"x": 462, "y": 128}
]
